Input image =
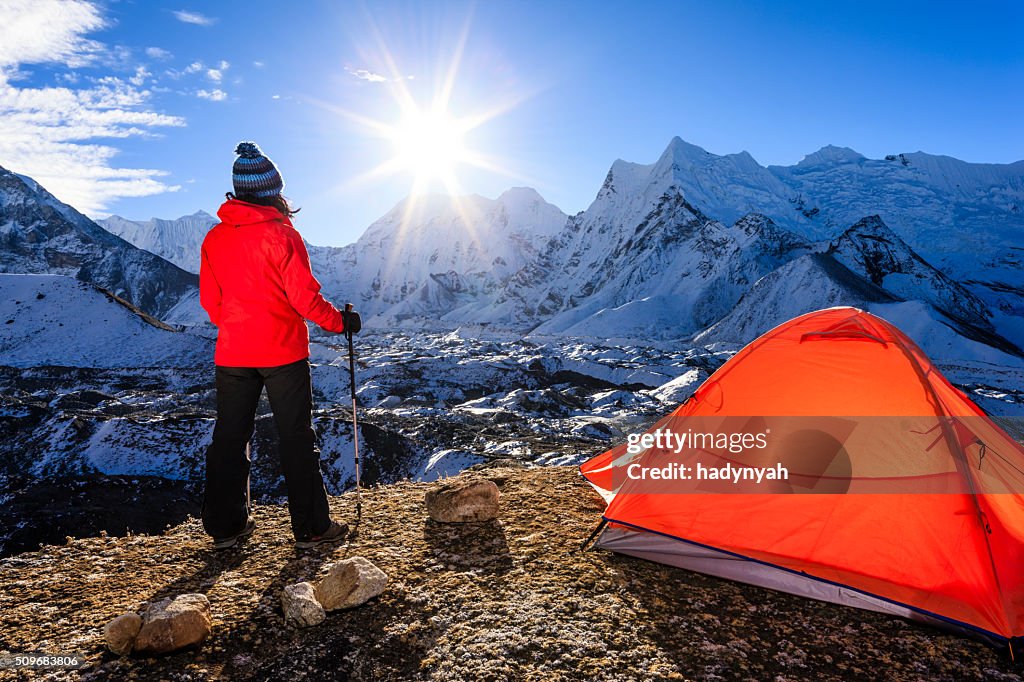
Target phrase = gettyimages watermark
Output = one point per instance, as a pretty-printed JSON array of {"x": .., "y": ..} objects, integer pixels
[{"x": 821, "y": 455}]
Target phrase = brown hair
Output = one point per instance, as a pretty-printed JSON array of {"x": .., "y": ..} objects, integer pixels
[{"x": 277, "y": 201}]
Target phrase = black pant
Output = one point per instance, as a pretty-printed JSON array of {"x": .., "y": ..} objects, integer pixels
[{"x": 226, "y": 505}]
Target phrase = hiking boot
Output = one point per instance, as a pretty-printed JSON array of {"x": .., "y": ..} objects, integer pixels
[
  {"x": 336, "y": 532},
  {"x": 232, "y": 540}
]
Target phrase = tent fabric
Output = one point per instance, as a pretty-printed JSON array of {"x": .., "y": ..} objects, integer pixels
[{"x": 931, "y": 519}]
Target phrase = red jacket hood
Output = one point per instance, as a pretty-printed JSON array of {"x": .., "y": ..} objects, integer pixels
[{"x": 237, "y": 213}]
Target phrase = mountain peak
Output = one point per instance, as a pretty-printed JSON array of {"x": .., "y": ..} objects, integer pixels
[
  {"x": 830, "y": 154},
  {"x": 680, "y": 148},
  {"x": 520, "y": 195},
  {"x": 871, "y": 225}
]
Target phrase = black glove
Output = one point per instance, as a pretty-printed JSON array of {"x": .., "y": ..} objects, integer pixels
[{"x": 351, "y": 322}]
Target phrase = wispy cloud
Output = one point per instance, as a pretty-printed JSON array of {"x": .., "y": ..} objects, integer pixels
[
  {"x": 366, "y": 75},
  {"x": 216, "y": 95},
  {"x": 158, "y": 53},
  {"x": 50, "y": 133},
  {"x": 196, "y": 18},
  {"x": 258, "y": 64}
]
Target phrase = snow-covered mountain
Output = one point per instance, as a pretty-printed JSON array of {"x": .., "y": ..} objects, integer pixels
[
  {"x": 432, "y": 254},
  {"x": 667, "y": 249},
  {"x": 966, "y": 219},
  {"x": 645, "y": 261},
  {"x": 873, "y": 250},
  {"x": 818, "y": 280},
  {"x": 178, "y": 241},
  {"x": 671, "y": 274},
  {"x": 41, "y": 235}
]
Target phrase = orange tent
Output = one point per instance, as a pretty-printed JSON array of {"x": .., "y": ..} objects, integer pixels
[{"x": 900, "y": 495}]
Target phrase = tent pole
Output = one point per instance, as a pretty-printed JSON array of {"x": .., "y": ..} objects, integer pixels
[{"x": 600, "y": 527}]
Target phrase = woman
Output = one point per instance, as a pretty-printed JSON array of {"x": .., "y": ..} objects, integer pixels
[{"x": 256, "y": 285}]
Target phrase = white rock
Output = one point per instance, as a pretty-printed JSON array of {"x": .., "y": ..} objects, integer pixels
[
  {"x": 300, "y": 606},
  {"x": 349, "y": 583}
]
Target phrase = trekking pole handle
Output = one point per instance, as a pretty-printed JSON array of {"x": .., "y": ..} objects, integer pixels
[{"x": 347, "y": 331}]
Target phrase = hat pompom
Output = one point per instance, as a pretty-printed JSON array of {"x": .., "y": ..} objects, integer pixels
[{"x": 248, "y": 150}]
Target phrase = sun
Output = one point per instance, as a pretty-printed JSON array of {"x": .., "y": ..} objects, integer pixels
[
  {"x": 430, "y": 143},
  {"x": 429, "y": 140}
]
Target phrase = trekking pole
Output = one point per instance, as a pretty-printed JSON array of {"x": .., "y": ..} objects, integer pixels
[{"x": 355, "y": 422}]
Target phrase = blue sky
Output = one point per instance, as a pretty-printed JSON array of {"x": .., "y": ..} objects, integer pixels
[{"x": 134, "y": 107}]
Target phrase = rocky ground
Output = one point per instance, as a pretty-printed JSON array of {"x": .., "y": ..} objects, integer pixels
[{"x": 512, "y": 599}]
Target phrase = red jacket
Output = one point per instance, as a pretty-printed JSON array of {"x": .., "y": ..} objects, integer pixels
[{"x": 256, "y": 286}]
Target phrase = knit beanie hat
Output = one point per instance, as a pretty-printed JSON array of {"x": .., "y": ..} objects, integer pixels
[{"x": 255, "y": 174}]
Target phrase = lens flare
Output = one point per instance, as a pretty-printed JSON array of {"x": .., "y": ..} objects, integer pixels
[{"x": 430, "y": 144}]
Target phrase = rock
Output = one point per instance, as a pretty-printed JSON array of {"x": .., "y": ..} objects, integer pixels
[
  {"x": 172, "y": 624},
  {"x": 349, "y": 583},
  {"x": 300, "y": 606},
  {"x": 120, "y": 633},
  {"x": 463, "y": 500}
]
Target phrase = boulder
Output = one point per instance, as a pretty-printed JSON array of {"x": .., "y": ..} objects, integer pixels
[
  {"x": 300, "y": 606},
  {"x": 349, "y": 583},
  {"x": 463, "y": 500},
  {"x": 172, "y": 624},
  {"x": 120, "y": 633}
]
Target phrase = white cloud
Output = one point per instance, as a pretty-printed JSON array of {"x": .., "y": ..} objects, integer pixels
[
  {"x": 223, "y": 65},
  {"x": 214, "y": 75},
  {"x": 139, "y": 79},
  {"x": 49, "y": 133},
  {"x": 275, "y": 97},
  {"x": 216, "y": 95},
  {"x": 366, "y": 75},
  {"x": 259, "y": 65},
  {"x": 194, "y": 18},
  {"x": 158, "y": 53},
  {"x": 193, "y": 67},
  {"x": 48, "y": 31}
]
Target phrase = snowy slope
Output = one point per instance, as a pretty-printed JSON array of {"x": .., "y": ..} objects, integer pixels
[
  {"x": 818, "y": 280},
  {"x": 810, "y": 282},
  {"x": 871, "y": 249},
  {"x": 57, "y": 320},
  {"x": 178, "y": 241},
  {"x": 39, "y": 234},
  {"x": 677, "y": 274}
]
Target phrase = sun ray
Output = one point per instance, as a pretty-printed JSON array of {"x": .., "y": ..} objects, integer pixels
[
  {"x": 482, "y": 162},
  {"x": 444, "y": 95}
]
